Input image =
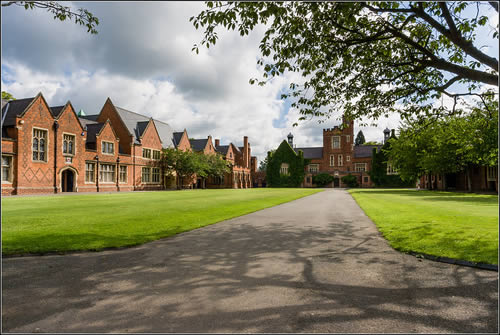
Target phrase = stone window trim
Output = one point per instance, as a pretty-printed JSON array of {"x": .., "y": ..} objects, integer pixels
[
  {"x": 340, "y": 160},
  {"x": 123, "y": 174},
  {"x": 348, "y": 138},
  {"x": 9, "y": 159},
  {"x": 335, "y": 142},
  {"x": 148, "y": 175},
  {"x": 312, "y": 168},
  {"x": 156, "y": 154},
  {"x": 105, "y": 146},
  {"x": 146, "y": 153},
  {"x": 67, "y": 137},
  {"x": 391, "y": 170},
  {"x": 360, "y": 167},
  {"x": 92, "y": 174},
  {"x": 348, "y": 158},
  {"x": 332, "y": 160},
  {"x": 47, "y": 144},
  {"x": 284, "y": 169},
  {"x": 106, "y": 170}
]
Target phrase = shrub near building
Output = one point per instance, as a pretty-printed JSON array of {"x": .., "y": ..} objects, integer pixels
[{"x": 285, "y": 167}]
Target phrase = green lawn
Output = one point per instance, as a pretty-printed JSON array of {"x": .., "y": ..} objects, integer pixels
[
  {"x": 95, "y": 221},
  {"x": 455, "y": 225}
]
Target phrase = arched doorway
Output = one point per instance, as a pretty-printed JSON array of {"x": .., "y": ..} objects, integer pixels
[
  {"x": 336, "y": 182},
  {"x": 68, "y": 180}
]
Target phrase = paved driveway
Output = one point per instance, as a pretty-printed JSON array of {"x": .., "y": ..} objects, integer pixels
[{"x": 316, "y": 264}]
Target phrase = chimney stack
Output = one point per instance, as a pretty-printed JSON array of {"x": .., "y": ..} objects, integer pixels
[
  {"x": 217, "y": 142},
  {"x": 245, "y": 152}
]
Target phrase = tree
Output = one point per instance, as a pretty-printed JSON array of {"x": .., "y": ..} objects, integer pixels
[
  {"x": 453, "y": 144},
  {"x": 322, "y": 179},
  {"x": 360, "y": 138},
  {"x": 7, "y": 96},
  {"x": 371, "y": 143},
  {"x": 263, "y": 164},
  {"x": 215, "y": 165},
  {"x": 185, "y": 164},
  {"x": 350, "y": 180},
  {"x": 81, "y": 16},
  {"x": 371, "y": 59}
]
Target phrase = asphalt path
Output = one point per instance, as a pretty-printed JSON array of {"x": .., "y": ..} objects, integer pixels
[{"x": 317, "y": 264}]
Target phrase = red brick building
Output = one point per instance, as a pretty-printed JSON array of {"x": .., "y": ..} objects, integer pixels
[
  {"x": 240, "y": 159},
  {"x": 53, "y": 149},
  {"x": 338, "y": 156}
]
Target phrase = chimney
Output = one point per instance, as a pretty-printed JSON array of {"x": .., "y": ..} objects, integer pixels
[
  {"x": 245, "y": 152},
  {"x": 217, "y": 142}
]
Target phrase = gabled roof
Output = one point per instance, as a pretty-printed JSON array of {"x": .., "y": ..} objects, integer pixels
[
  {"x": 176, "y": 137},
  {"x": 198, "y": 144},
  {"x": 55, "y": 111},
  {"x": 134, "y": 123},
  {"x": 92, "y": 130},
  {"x": 14, "y": 108},
  {"x": 361, "y": 151},
  {"x": 311, "y": 153},
  {"x": 86, "y": 122},
  {"x": 223, "y": 149}
]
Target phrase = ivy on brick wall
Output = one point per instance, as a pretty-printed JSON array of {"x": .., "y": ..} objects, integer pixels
[
  {"x": 378, "y": 172},
  {"x": 296, "y": 163}
]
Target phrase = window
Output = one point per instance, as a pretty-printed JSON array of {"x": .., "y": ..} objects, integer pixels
[
  {"x": 7, "y": 168},
  {"x": 146, "y": 153},
  {"x": 366, "y": 179},
  {"x": 360, "y": 167},
  {"x": 156, "y": 175},
  {"x": 107, "y": 147},
  {"x": 156, "y": 154},
  {"x": 90, "y": 172},
  {"x": 340, "y": 161},
  {"x": 68, "y": 144},
  {"x": 313, "y": 168},
  {"x": 284, "y": 169},
  {"x": 332, "y": 160},
  {"x": 230, "y": 155},
  {"x": 348, "y": 138},
  {"x": 146, "y": 175},
  {"x": 492, "y": 173},
  {"x": 39, "y": 145},
  {"x": 335, "y": 142},
  {"x": 107, "y": 173},
  {"x": 348, "y": 158},
  {"x": 123, "y": 174},
  {"x": 391, "y": 170}
]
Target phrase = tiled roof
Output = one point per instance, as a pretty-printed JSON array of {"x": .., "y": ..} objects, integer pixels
[
  {"x": 222, "y": 149},
  {"x": 176, "y": 137},
  {"x": 198, "y": 144},
  {"x": 361, "y": 151},
  {"x": 133, "y": 122},
  {"x": 92, "y": 131},
  {"x": 12, "y": 109},
  {"x": 89, "y": 117},
  {"x": 86, "y": 122},
  {"x": 56, "y": 110},
  {"x": 311, "y": 153}
]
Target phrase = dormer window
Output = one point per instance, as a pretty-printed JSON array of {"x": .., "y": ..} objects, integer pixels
[{"x": 108, "y": 147}]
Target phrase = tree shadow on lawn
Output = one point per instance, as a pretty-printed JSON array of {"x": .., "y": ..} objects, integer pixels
[
  {"x": 236, "y": 277},
  {"x": 481, "y": 199}
]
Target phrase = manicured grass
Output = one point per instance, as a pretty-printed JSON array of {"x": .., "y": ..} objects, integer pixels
[
  {"x": 455, "y": 225},
  {"x": 95, "y": 221}
]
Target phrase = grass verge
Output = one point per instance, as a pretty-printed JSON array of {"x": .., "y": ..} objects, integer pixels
[
  {"x": 456, "y": 225},
  {"x": 44, "y": 224}
]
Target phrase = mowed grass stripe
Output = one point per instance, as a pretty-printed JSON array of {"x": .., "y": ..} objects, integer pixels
[
  {"x": 447, "y": 224},
  {"x": 97, "y": 221}
]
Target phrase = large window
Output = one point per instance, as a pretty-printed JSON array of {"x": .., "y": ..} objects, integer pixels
[
  {"x": 108, "y": 147},
  {"x": 360, "y": 167},
  {"x": 340, "y": 160},
  {"x": 90, "y": 172},
  {"x": 391, "y": 169},
  {"x": 7, "y": 168},
  {"x": 313, "y": 168},
  {"x": 107, "y": 173},
  {"x": 39, "y": 145},
  {"x": 335, "y": 142},
  {"x": 68, "y": 144},
  {"x": 123, "y": 173},
  {"x": 284, "y": 169},
  {"x": 156, "y": 154},
  {"x": 146, "y": 153},
  {"x": 156, "y": 175},
  {"x": 332, "y": 160},
  {"x": 146, "y": 175}
]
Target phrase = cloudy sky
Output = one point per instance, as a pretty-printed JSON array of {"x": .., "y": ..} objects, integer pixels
[{"x": 142, "y": 59}]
